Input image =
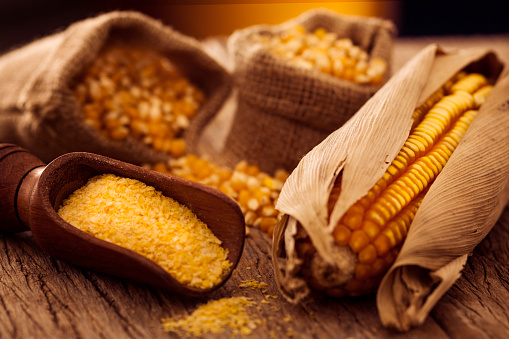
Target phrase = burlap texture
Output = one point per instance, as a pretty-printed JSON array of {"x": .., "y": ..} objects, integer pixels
[
  {"x": 284, "y": 111},
  {"x": 39, "y": 112}
]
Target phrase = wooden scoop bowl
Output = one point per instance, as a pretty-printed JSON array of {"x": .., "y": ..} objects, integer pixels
[{"x": 31, "y": 193}]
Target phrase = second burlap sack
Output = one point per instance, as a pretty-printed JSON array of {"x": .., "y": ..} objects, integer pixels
[{"x": 284, "y": 111}]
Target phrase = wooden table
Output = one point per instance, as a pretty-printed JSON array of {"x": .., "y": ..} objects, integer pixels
[{"x": 45, "y": 298}]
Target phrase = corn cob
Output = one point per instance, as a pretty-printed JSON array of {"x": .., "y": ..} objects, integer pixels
[{"x": 375, "y": 227}]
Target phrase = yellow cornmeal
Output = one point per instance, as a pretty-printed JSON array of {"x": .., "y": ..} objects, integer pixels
[
  {"x": 214, "y": 317},
  {"x": 131, "y": 214}
]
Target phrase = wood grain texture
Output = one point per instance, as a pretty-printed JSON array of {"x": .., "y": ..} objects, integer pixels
[{"x": 41, "y": 297}]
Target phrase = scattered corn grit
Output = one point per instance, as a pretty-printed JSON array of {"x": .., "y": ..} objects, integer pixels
[
  {"x": 256, "y": 192},
  {"x": 217, "y": 315},
  {"x": 327, "y": 52},
  {"x": 131, "y": 214},
  {"x": 375, "y": 227},
  {"x": 214, "y": 317},
  {"x": 137, "y": 93},
  {"x": 253, "y": 284}
]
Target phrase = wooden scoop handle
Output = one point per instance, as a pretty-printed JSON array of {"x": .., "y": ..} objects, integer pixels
[{"x": 15, "y": 164}]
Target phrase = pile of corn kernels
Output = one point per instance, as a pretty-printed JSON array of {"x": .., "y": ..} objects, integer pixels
[
  {"x": 138, "y": 93},
  {"x": 326, "y": 52},
  {"x": 256, "y": 192}
]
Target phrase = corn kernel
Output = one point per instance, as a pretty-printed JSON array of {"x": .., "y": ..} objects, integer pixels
[
  {"x": 119, "y": 133},
  {"x": 352, "y": 220},
  {"x": 358, "y": 241},
  {"x": 266, "y": 223},
  {"x": 368, "y": 255},
  {"x": 382, "y": 244},
  {"x": 253, "y": 204},
  {"x": 371, "y": 229},
  {"x": 269, "y": 211},
  {"x": 341, "y": 235}
]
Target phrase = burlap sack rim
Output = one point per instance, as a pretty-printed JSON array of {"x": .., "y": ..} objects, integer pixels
[{"x": 242, "y": 35}]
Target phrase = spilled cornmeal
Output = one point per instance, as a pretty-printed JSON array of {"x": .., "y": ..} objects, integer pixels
[
  {"x": 214, "y": 317},
  {"x": 131, "y": 214}
]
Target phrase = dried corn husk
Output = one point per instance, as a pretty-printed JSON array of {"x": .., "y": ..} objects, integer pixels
[{"x": 457, "y": 213}]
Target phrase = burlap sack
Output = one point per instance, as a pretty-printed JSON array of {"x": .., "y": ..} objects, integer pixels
[
  {"x": 39, "y": 112},
  {"x": 284, "y": 111}
]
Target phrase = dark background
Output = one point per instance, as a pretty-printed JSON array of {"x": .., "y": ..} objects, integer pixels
[{"x": 24, "y": 20}]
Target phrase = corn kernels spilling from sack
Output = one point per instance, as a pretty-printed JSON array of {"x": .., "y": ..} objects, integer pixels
[
  {"x": 256, "y": 192},
  {"x": 326, "y": 52},
  {"x": 138, "y": 93}
]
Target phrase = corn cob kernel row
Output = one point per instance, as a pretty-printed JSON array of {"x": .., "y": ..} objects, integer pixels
[
  {"x": 326, "y": 52},
  {"x": 434, "y": 98},
  {"x": 128, "y": 92},
  {"x": 256, "y": 192},
  {"x": 379, "y": 228},
  {"x": 375, "y": 227}
]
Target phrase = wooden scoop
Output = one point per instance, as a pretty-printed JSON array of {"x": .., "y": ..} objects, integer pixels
[{"x": 31, "y": 193}]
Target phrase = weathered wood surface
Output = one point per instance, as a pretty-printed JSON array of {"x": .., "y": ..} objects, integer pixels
[
  {"x": 45, "y": 298},
  {"x": 41, "y": 297}
]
